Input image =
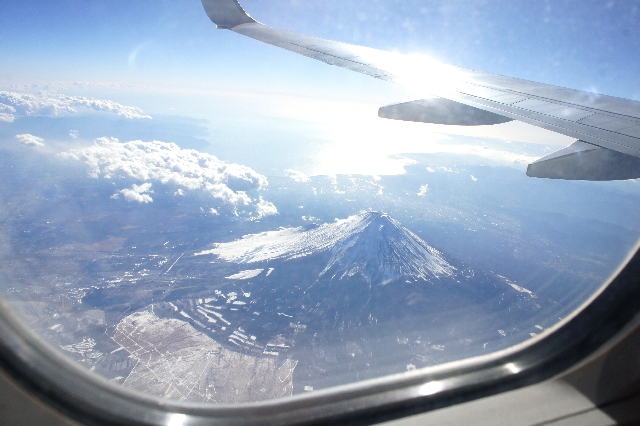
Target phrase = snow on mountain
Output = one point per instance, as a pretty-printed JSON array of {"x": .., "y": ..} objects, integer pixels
[
  {"x": 382, "y": 250},
  {"x": 371, "y": 244},
  {"x": 245, "y": 275}
]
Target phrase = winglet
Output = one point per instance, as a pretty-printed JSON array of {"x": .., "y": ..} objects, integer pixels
[{"x": 226, "y": 14}]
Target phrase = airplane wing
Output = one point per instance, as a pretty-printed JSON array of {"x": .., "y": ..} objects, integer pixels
[{"x": 607, "y": 128}]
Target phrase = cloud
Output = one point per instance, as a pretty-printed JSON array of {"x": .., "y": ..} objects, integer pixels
[
  {"x": 168, "y": 164},
  {"x": 30, "y": 140},
  {"x": 297, "y": 176},
  {"x": 423, "y": 190},
  {"x": 137, "y": 193},
  {"x": 265, "y": 208},
  {"x": 14, "y": 104},
  {"x": 73, "y": 134},
  {"x": 6, "y": 113},
  {"x": 7, "y": 108}
]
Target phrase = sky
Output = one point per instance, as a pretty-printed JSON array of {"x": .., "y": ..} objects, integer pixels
[
  {"x": 166, "y": 42},
  {"x": 166, "y": 57}
]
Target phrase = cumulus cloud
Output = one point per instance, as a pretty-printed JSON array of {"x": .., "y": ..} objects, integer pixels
[
  {"x": 265, "y": 208},
  {"x": 423, "y": 190},
  {"x": 6, "y": 113},
  {"x": 137, "y": 193},
  {"x": 73, "y": 134},
  {"x": 14, "y": 104},
  {"x": 168, "y": 164},
  {"x": 297, "y": 176},
  {"x": 30, "y": 140}
]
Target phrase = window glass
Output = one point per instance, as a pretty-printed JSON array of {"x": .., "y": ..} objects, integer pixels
[{"x": 200, "y": 216}]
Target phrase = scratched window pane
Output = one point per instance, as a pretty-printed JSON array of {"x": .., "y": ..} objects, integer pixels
[{"x": 201, "y": 216}]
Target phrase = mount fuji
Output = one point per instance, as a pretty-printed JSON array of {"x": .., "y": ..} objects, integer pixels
[
  {"x": 372, "y": 245},
  {"x": 367, "y": 267}
]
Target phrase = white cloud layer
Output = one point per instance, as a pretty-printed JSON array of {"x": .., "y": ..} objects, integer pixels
[
  {"x": 30, "y": 140},
  {"x": 14, "y": 104},
  {"x": 168, "y": 164}
]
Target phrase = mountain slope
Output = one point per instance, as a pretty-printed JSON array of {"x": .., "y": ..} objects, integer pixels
[{"x": 371, "y": 244}]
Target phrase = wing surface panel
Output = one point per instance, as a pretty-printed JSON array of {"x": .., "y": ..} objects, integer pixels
[
  {"x": 621, "y": 106},
  {"x": 624, "y": 126},
  {"x": 548, "y": 119}
]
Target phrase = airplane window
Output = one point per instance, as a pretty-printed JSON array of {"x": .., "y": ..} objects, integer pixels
[{"x": 234, "y": 215}]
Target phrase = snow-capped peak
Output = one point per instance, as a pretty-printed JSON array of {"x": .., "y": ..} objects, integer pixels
[
  {"x": 381, "y": 249},
  {"x": 371, "y": 244}
]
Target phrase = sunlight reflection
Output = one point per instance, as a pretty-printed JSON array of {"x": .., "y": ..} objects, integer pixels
[{"x": 359, "y": 142}]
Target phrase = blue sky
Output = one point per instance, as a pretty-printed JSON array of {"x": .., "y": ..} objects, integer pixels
[{"x": 581, "y": 44}]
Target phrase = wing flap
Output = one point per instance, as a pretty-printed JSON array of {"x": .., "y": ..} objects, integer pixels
[
  {"x": 584, "y": 161},
  {"x": 441, "y": 111},
  {"x": 550, "y": 118},
  {"x": 621, "y": 106},
  {"x": 623, "y": 126}
]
